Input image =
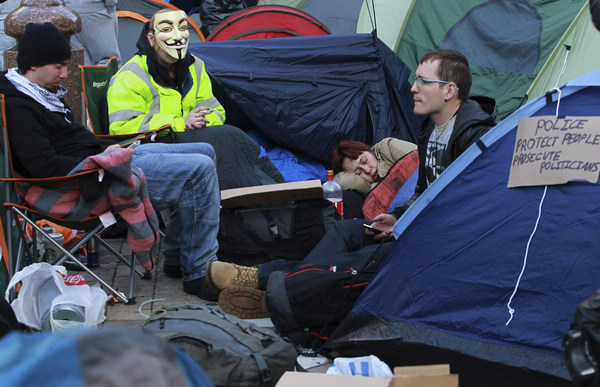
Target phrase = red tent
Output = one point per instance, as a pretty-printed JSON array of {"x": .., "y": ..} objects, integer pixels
[{"x": 268, "y": 21}]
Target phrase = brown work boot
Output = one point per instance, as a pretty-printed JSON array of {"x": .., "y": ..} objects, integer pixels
[
  {"x": 244, "y": 302},
  {"x": 222, "y": 275}
]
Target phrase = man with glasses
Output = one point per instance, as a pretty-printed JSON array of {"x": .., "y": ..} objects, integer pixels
[{"x": 454, "y": 121}]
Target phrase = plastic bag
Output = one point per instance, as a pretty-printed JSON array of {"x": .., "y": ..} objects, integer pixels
[
  {"x": 364, "y": 365},
  {"x": 49, "y": 299}
]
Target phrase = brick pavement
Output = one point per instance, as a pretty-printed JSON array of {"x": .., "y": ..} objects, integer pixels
[
  {"x": 155, "y": 293},
  {"x": 149, "y": 294}
]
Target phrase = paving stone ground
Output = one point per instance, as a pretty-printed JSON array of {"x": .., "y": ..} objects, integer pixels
[
  {"x": 149, "y": 294},
  {"x": 153, "y": 294}
]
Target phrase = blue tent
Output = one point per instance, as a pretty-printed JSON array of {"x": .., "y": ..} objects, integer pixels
[
  {"x": 485, "y": 277},
  {"x": 306, "y": 94}
]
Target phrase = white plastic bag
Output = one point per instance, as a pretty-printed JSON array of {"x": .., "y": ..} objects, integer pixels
[
  {"x": 48, "y": 294},
  {"x": 364, "y": 365}
]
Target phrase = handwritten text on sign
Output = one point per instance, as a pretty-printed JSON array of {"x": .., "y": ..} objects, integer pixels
[{"x": 551, "y": 150}]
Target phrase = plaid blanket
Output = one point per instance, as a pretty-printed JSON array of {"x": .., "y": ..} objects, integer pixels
[{"x": 118, "y": 186}]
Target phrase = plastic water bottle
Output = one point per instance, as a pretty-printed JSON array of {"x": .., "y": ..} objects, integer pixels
[{"x": 332, "y": 191}]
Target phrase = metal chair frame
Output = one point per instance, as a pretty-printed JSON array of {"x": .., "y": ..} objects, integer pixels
[{"x": 20, "y": 210}]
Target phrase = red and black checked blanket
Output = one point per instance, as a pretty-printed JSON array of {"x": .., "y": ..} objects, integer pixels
[
  {"x": 379, "y": 198},
  {"x": 118, "y": 186}
]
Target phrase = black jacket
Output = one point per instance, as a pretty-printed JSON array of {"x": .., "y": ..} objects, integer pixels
[
  {"x": 474, "y": 118},
  {"x": 45, "y": 143}
]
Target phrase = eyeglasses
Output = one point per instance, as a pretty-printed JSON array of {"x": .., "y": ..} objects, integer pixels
[{"x": 421, "y": 81}]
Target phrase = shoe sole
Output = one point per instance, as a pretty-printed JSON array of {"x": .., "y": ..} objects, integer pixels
[{"x": 244, "y": 302}]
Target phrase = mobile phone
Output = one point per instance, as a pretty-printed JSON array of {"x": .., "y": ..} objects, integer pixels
[
  {"x": 134, "y": 144},
  {"x": 370, "y": 227}
]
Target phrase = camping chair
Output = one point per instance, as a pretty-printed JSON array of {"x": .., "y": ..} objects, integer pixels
[
  {"x": 95, "y": 80},
  {"x": 20, "y": 210}
]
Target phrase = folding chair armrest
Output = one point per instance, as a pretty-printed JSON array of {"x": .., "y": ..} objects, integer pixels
[
  {"x": 128, "y": 139},
  {"x": 49, "y": 181},
  {"x": 85, "y": 224},
  {"x": 123, "y": 139},
  {"x": 150, "y": 134}
]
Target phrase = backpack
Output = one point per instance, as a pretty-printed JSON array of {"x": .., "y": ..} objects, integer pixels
[
  {"x": 233, "y": 352},
  {"x": 307, "y": 304},
  {"x": 288, "y": 230}
]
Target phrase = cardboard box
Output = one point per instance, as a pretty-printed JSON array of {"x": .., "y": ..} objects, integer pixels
[
  {"x": 271, "y": 193},
  {"x": 308, "y": 379},
  {"x": 437, "y": 375}
]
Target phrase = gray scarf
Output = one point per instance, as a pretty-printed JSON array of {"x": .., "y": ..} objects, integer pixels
[{"x": 49, "y": 100}]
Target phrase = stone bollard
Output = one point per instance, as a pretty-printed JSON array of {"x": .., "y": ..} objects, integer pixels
[{"x": 68, "y": 22}]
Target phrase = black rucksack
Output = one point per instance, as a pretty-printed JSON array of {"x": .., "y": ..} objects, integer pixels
[
  {"x": 232, "y": 352},
  {"x": 260, "y": 233},
  {"x": 307, "y": 304}
]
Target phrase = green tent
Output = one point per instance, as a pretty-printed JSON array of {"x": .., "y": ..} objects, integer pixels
[
  {"x": 387, "y": 16},
  {"x": 577, "y": 53},
  {"x": 506, "y": 42},
  {"x": 512, "y": 45}
]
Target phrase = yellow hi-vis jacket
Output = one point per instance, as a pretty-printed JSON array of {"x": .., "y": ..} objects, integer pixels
[{"x": 136, "y": 103}]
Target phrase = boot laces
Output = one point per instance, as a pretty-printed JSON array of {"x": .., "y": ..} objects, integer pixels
[{"x": 246, "y": 275}]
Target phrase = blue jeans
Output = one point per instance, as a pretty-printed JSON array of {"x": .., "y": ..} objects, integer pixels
[{"x": 183, "y": 178}]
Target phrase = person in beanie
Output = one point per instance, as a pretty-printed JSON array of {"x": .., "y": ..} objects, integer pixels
[
  {"x": 54, "y": 48},
  {"x": 46, "y": 141}
]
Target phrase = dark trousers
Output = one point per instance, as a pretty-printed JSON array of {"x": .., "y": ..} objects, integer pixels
[
  {"x": 345, "y": 244},
  {"x": 238, "y": 156}
]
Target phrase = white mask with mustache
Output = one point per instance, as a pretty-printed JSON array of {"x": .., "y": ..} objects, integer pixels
[{"x": 171, "y": 32}]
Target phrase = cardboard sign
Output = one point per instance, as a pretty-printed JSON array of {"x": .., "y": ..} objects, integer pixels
[
  {"x": 551, "y": 150},
  {"x": 269, "y": 193}
]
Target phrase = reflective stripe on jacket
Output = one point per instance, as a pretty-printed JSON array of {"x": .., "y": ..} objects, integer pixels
[{"x": 136, "y": 103}]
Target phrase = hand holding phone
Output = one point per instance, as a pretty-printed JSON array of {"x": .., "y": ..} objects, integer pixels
[
  {"x": 371, "y": 228},
  {"x": 134, "y": 145}
]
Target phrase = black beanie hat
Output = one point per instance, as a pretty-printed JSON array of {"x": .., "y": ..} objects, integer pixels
[{"x": 42, "y": 44}]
